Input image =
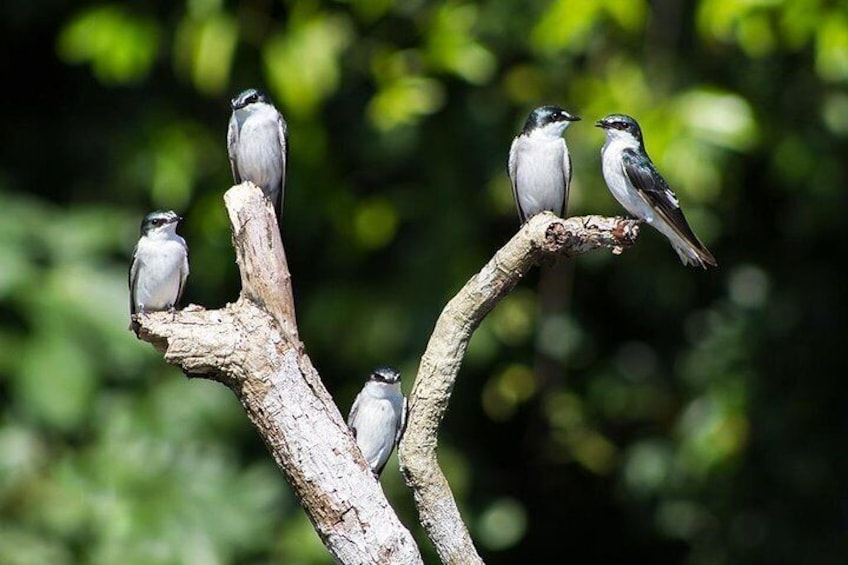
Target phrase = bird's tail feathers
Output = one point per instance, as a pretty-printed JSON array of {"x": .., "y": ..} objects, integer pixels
[{"x": 697, "y": 257}]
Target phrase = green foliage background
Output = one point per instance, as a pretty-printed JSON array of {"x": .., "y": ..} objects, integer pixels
[{"x": 645, "y": 413}]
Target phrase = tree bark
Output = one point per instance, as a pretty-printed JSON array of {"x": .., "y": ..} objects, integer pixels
[
  {"x": 541, "y": 238},
  {"x": 252, "y": 346}
]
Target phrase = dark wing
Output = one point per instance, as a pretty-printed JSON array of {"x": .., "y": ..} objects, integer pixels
[
  {"x": 512, "y": 170},
  {"x": 183, "y": 275},
  {"x": 352, "y": 416},
  {"x": 398, "y": 434},
  {"x": 653, "y": 189},
  {"x": 283, "y": 135},
  {"x": 232, "y": 145},
  {"x": 131, "y": 279},
  {"x": 566, "y": 162},
  {"x": 402, "y": 425}
]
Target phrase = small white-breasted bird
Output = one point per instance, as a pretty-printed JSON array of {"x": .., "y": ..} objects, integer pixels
[
  {"x": 257, "y": 143},
  {"x": 638, "y": 186},
  {"x": 159, "y": 267},
  {"x": 378, "y": 416},
  {"x": 539, "y": 163}
]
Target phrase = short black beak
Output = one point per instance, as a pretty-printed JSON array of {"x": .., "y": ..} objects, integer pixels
[
  {"x": 573, "y": 118},
  {"x": 601, "y": 124}
]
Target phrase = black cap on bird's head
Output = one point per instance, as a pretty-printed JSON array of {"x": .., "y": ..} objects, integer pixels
[
  {"x": 545, "y": 115},
  {"x": 621, "y": 122},
  {"x": 247, "y": 97},
  {"x": 158, "y": 219},
  {"x": 385, "y": 374}
]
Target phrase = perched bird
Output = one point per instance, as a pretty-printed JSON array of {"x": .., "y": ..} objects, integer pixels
[
  {"x": 378, "y": 416},
  {"x": 159, "y": 265},
  {"x": 257, "y": 143},
  {"x": 636, "y": 184},
  {"x": 539, "y": 163}
]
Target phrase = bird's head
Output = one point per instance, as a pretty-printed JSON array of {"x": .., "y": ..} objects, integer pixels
[
  {"x": 160, "y": 221},
  {"x": 549, "y": 118},
  {"x": 621, "y": 126},
  {"x": 385, "y": 374},
  {"x": 248, "y": 97}
]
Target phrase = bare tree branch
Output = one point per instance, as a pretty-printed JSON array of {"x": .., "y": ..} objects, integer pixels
[
  {"x": 265, "y": 277},
  {"x": 543, "y": 236},
  {"x": 252, "y": 346}
]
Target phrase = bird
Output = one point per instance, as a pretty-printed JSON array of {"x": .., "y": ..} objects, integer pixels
[
  {"x": 378, "y": 416},
  {"x": 637, "y": 185},
  {"x": 159, "y": 267},
  {"x": 539, "y": 163},
  {"x": 257, "y": 144}
]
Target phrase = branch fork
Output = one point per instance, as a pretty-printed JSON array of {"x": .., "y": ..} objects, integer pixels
[{"x": 252, "y": 346}]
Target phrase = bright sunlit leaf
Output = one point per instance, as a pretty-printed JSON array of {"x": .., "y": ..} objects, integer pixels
[
  {"x": 302, "y": 63},
  {"x": 565, "y": 25},
  {"x": 404, "y": 101},
  {"x": 832, "y": 48},
  {"x": 119, "y": 45},
  {"x": 721, "y": 118},
  {"x": 205, "y": 50},
  {"x": 452, "y": 46}
]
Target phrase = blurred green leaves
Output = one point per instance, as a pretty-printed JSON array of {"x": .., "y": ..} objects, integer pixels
[
  {"x": 404, "y": 100},
  {"x": 452, "y": 45},
  {"x": 204, "y": 47},
  {"x": 119, "y": 45},
  {"x": 375, "y": 223},
  {"x": 502, "y": 524},
  {"x": 573, "y": 435},
  {"x": 505, "y": 392},
  {"x": 721, "y": 118},
  {"x": 55, "y": 384},
  {"x": 103, "y": 453},
  {"x": 303, "y": 62},
  {"x": 832, "y": 48},
  {"x": 569, "y": 25},
  {"x": 758, "y": 26},
  {"x": 698, "y": 406}
]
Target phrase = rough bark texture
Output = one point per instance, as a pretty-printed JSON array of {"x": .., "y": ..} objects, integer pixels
[
  {"x": 542, "y": 237},
  {"x": 252, "y": 347}
]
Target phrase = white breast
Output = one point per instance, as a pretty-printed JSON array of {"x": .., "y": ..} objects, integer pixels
[
  {"x": 377, "y": 419},
  {"x": 540, "y": 173},
  {"x": 160, "y": 265},
  {"x": 259, "y": 156}
]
